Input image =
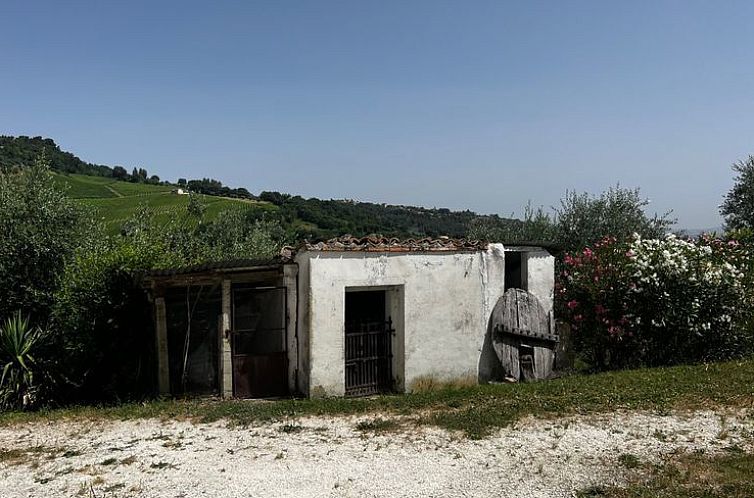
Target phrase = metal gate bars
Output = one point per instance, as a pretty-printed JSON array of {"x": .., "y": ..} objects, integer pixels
[{"x": 369, "y": 358}]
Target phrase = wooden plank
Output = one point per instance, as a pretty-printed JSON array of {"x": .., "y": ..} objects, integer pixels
[
  {"x": 227, "y": 356},
  {"x": 520, "y": 322},
  {"x": 161, "y": 332}
]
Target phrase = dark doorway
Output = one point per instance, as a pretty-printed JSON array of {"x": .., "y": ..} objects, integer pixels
[
  {"x": 193, "y": 338},
  {"x": 368, "y": 342},
  {"x": 515, "y": 272},
  {"x": 258, "y": 342}
]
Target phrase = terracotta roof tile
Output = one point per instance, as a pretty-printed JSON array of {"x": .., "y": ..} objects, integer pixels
[{"x": 374, "y": 243}]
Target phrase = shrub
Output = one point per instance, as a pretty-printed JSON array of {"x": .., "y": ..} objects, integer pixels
[
  {"x": 580, "y": 220},
  {"x": 619, "y": 212},
  {"x": 103, "y": 313},
  {"x": 40, "y": 229},
  {"x": 104, "y": 320},
  {"x": 24, "y": 380},
  {"x": 657, "y": 301}
]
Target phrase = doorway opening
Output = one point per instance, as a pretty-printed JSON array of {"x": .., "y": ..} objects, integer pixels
[
  {"x": 192, "y": 315},
  {"x": 368, "y": 343},
  {"x": 515, "y": 270}
]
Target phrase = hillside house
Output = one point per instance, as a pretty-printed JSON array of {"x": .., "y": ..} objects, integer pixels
[{"x": 343, "y": 317}]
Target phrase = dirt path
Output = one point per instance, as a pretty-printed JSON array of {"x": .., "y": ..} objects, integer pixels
[
  {"x": 113, "y": 191},
  {"x": 332, "y": 457}
]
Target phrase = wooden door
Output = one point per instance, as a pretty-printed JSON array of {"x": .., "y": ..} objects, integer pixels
[
  {"x": 259, "y": 342},
  {"x": 522, "y": 337}
]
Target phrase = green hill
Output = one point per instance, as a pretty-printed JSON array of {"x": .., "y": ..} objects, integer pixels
[
  {"x": 116, "y": 201},
  {"x": 21, "y": 152},
  {"x": 117, "y": 194}
]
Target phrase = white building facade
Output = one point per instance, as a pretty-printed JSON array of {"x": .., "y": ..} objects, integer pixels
[{"x": 437, "y": 300}]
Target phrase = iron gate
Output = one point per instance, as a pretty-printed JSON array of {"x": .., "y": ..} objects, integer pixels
[{"x": 369, "y": 358}]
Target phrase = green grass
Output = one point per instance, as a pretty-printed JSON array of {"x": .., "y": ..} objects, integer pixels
[
  {"x": 475, "y": 410},
  {"x": 116, "y": 201},
  {"x": 97, "y": 187},
  {"x": 693, "y": 475}
]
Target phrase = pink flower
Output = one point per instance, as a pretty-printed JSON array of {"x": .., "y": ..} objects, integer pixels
[
  {"x": 614, "y": 330},
  {"x": 588, "y": 253},
  {"x": 572, "y": 304}
]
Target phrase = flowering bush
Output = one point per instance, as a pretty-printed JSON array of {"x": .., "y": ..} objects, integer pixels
[{"x": 657, "y": 301}]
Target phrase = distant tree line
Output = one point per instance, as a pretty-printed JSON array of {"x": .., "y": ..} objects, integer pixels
[
  {"x": 210, "y": 186},
  {"x": 316, "y": 218},
  {"x": 18, "y": 153}
]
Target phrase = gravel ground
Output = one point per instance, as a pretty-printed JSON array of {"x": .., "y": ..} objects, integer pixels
[{"x": 331, "y": 457}]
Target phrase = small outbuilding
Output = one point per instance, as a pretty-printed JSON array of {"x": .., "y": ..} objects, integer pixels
[{"x": 347, "y": 317}]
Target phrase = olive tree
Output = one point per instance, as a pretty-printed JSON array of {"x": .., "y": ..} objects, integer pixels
[
  {"x": 738, "y": 205},
  {"x": 579, "y": 220},
  {"x": 40, "y": 228}
]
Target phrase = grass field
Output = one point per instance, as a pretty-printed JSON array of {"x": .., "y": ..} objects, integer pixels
[
  {"x": 696, "y": 475},
  {"x": 474, "y": 410},
  {"x": 116, "y": 201}
]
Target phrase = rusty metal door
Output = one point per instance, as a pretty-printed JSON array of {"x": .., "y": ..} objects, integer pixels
[
  {"x": 369, "y": 358},
  {"x": 259, "y": 342}
]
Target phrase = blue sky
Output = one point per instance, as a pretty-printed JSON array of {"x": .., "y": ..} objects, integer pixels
[{"x": 466, "y": 104}]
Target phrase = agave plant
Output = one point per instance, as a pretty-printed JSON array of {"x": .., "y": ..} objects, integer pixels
[{"x": 19, "y": 344}]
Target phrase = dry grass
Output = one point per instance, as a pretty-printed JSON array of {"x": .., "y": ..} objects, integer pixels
[
  {"x": 694, "y": 475},
  {"x": 431, "y": 383},
  {"x": 30, "y": 455}
]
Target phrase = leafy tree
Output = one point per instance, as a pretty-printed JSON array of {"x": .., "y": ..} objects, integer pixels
[
  {"x": 22, "y": 152},
  {"x": 40, "y": 228},
  {"x": 583, "y": 219},
  {"x": 738, "y": 206},
  {"x": 120, "y": 173},
  {"x": 535, "y": 226}
]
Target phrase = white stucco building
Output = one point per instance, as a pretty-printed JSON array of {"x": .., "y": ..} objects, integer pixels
[{"x": 342, "y": 317}]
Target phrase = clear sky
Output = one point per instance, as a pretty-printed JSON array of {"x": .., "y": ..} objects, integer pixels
[{"x": 465, "y": 104}]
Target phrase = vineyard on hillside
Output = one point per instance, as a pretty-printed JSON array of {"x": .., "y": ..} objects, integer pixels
[{"x": 116, "y": 201}]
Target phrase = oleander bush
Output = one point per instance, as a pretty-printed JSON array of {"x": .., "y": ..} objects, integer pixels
[{"x": 658, "y": 301}]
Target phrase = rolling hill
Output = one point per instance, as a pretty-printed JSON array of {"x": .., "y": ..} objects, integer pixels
[
  {"x": 116, "y": 201},
  {"x": 117, "y": 194}
]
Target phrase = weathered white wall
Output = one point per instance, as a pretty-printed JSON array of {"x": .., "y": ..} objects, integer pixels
[
  {"x": 540, "y": 275},
  {"x": 446, "y": 297},
  {"x": 290, "y": 273}
]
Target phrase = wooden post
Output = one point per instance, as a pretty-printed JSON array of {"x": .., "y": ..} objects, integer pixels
[
  {"x": 227, "y": 356},
  {"x": 161, "y": 329}
]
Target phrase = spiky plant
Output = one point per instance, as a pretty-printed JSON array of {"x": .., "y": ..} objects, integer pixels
[{"x": 19, "y": 344}]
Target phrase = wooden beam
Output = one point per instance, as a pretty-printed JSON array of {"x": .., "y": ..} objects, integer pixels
[
  {"x": 227, "y": 356},
  {"x": 161, "y": 329}
]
